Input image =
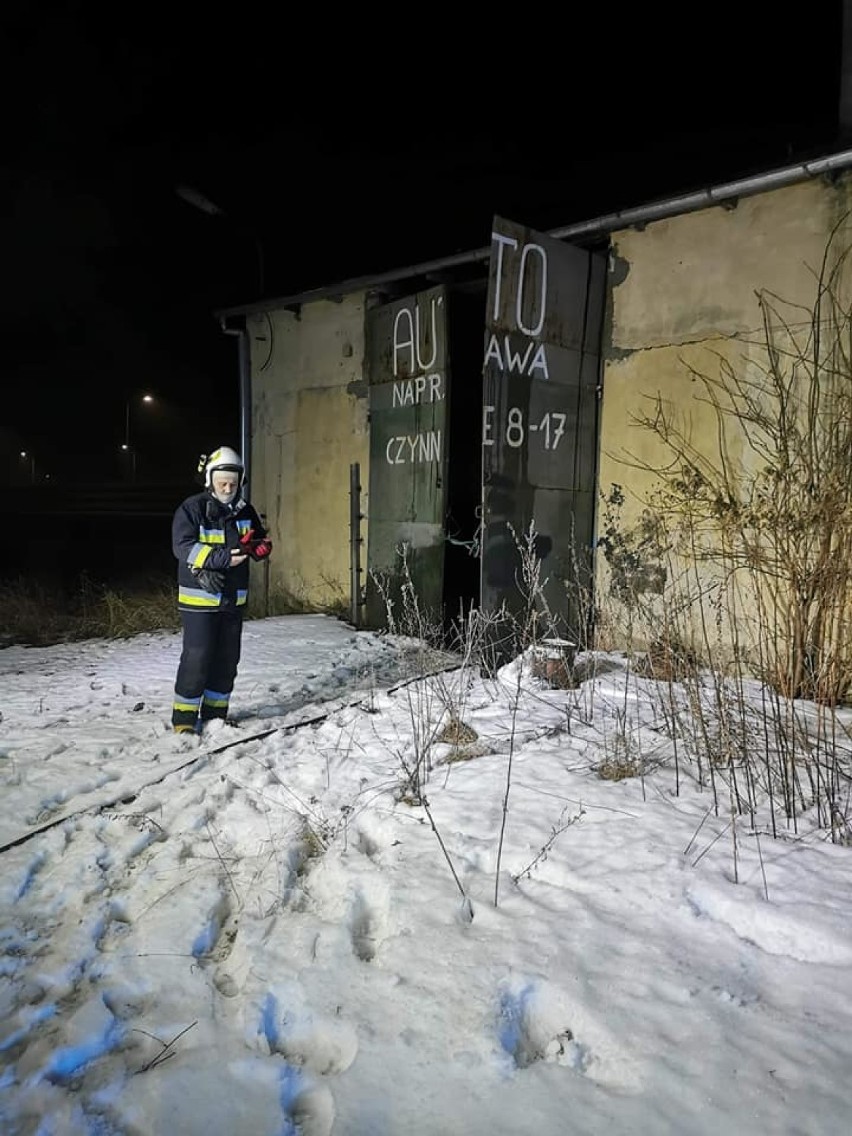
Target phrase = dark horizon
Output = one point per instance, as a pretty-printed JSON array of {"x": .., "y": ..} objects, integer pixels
[{"x": 112, "y": 277}]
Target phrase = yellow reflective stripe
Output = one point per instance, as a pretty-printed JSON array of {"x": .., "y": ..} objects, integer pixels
[
  {"x": 198, "y": 554},
  {"x": 219, "y": 703},
  {"x": 243, "y": 526},
  {"x": 211, "y": 536},
  {"x": 188, "y": 706},
  {"x": 193, "y": 597},
  {"x": 242, "y": 596}
]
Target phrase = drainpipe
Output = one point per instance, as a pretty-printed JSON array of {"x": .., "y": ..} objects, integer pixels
[
  {"x": 727, "y": 192},
  {"x": 244, "y": 364}
]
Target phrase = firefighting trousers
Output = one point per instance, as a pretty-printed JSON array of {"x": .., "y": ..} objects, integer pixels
[{"x": 208, "y": 666}]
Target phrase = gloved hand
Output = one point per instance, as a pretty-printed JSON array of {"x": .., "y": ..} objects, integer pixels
[
  {"x": 257, "y": 548},
  {"x": 261, "y": 548},
  {"x": 213, "y": 582}
]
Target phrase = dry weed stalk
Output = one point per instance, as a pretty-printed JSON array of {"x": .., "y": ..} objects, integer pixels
[
  {"x": 771, "y": 505},
  {"x": 744, "y": 555}
]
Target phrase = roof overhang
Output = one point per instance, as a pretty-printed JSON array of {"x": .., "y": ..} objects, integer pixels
[{"x": 595, "y": 229}]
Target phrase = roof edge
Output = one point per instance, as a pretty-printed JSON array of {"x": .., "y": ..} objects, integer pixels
[{"x": 596, "y": 226}]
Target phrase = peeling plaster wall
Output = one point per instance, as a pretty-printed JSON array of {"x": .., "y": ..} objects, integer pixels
[
  {"x": 309, "y": 424},
  {"x": 682, "y": 293}
]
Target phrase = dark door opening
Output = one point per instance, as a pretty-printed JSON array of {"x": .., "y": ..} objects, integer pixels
[{"x": 466, "y": 317}]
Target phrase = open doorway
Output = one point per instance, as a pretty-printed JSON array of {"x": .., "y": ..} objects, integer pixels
[{"x": 465, "y": 325}]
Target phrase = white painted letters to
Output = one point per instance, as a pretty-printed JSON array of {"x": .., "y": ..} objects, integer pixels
[
  {"x": 522, "y": 283},
  {"x": 540, "y": 305},
  {"x": 411, "y": 449},
  {"x": 502, "y": 241},
  {"x": 534, "y": 357}
]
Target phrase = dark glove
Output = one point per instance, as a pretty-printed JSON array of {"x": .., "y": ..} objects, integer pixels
[
  {"x": 218, "y": 560},
  {"x": 210, "y": 581}
]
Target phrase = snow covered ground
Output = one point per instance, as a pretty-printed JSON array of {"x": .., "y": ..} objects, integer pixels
[{"x": 260, "y": 931}]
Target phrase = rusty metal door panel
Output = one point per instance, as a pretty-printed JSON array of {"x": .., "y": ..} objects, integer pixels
[
  {"x": 408, "y": 377},
  {"x": 541, "y": 377}
]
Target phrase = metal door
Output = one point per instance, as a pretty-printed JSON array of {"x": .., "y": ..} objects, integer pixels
[
  {"x": 540, "y": 419},
  {"x": 407, "y": 368}
]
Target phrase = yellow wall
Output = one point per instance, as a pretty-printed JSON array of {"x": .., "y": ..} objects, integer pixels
[
  {"x": 309, "y": 424},
  {"x": 682, "y": 292}
]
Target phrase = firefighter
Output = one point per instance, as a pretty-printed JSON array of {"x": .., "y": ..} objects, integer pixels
[{"x": 214, "y": 535}]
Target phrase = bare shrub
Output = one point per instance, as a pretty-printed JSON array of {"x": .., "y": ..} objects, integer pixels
[
  {"x": 769, "y": 511},
  {"x": 737, "y": 575}
]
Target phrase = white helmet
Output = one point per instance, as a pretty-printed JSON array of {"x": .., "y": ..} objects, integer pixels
[{"x": 223, "y": 459}]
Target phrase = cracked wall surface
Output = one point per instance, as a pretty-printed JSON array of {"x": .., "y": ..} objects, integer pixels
[
  {"x": 683, "y": 303},
  {"x": 682, "y": 295},
  {"x": 309, "y": 424}
]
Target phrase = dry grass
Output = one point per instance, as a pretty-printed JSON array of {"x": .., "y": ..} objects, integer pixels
[
  {"x": 465, "y": 753},
  {"x": 38, "y": 615},
  {"x": 456, "y": 733},
  {"x": 668, "y": 660},
  {"x": 618, "y": 768}
]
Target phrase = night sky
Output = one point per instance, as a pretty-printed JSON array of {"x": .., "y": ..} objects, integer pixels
[{"x": 337, "y": 148}]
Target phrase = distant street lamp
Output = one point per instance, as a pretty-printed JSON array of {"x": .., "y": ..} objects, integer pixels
[
  {"x": 147, "y": 399},
  {"x": 25, "y": 455},
  {"x": 131, "y": 453}
]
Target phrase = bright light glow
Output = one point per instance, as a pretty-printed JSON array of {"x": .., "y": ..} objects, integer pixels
[
  {"x": 125, "y": 446},
  {"x": 147, "y": 398},
  {"x": 23, "y": 453}
]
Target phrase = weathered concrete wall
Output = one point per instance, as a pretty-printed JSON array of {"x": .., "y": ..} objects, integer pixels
[
  {"x": 309, "y": 424},
  {"x": 682, "y": 297}
]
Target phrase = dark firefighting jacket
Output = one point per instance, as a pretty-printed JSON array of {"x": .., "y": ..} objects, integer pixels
[{"x": 203, "y": 533}]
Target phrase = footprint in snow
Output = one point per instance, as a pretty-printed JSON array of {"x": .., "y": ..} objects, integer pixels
[
  {"x": 114, "y": 923},
  {"x": 536, "y": 1021},
  {"x": 31, "y": 871},
  {"x": 215, "y": 940},
  {"x": 215, "y": 944},
  {"x": 308, "y": 1041},
  {"x": 367, "y": 925}
]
